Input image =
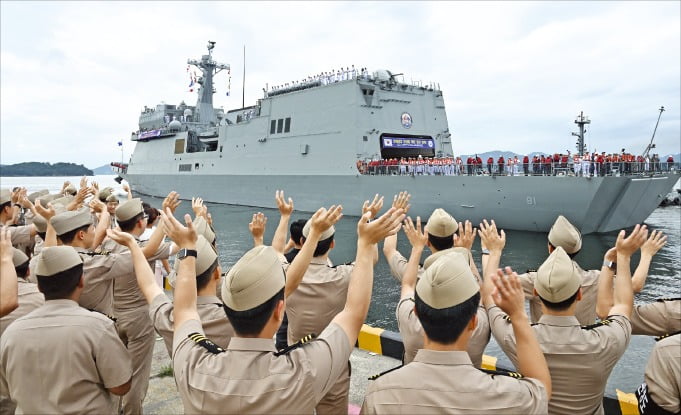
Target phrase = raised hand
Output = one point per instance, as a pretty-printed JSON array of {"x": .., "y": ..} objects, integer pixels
[
  {"x": 611, "y": 255},
  {"x": 285, "y": 208},
  {"x": 83, "y": 182},
  {"x": 183, "y": 236},
  {"x": 370, "y": 233},
  {"x": 95, "y": 188},
  {"x": 466, "y": 236},
  {"x": 197, "y": 206},
  {"x": 508, "y": 293},
  {"x": 97, "y": 205},
  {"x": 417, "y": 238},
  {"x": 374, "y": 207},
  {"x": 627, "y": 246},
  {"x": 654, "y": 243},
  {"x": 172, "y": 201},
  {"x": 125, "y": 188},
  {"x": 121, "y": 238},
  {"x": 323, "y": 219},
  {"x": 401, "y": 201},
  {"x": 489, "y": 237},
  {"x": 45, "y": 212},
  {"x": 257, "y": 226},
  {"x": 25, "y": 203}
]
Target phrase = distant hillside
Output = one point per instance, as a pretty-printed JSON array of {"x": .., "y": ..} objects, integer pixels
[
  {"x": 103, "y": 170},
  {"x": 44, "y": 169}
]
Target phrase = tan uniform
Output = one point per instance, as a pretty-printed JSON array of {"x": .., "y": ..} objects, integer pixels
[
  {"x": 662, "y": 387},
  {"x": 658, "y": 318},
  {"x": 586, "y": 307},
  {"x": 29, "y": 298},
  {"x": 310, "y": 308},
  {"x": 579, "y": 359},
  {"x": 213, "y": 320},
  {"x": 412, "y": 332},
  {"x": 447, "y": 382},
  {"x": 60, "y": 359},
  {"x": 249, "y": 378},
  {"x": 398, "y": 266},
  {"x": 134, "y": 326},
  {"x": 99, "y": 271}
]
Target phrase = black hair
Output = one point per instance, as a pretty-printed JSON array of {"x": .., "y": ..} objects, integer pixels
[
  {"x": 151, "y": 211},
  {"x": 203, "y": 278},
  {"x": 561, "y": 306},
  {"x": 22, "y": 270},
  {"x": 445, "y": 325},
  {"x": 296, "y": 230},
  {"x": 41, "y": 235},
  {"x": 572, "y": 255},
  {"x": 251, "y": 322},
  {"x": 441, "y": 242},
  {"x": 323, "y": 246},
  {"x": 62, "y": 284},
  {"x": 128, "y": 225},
  {"x": 68, "y": 237},
  {"x": 4, "y": 205}
]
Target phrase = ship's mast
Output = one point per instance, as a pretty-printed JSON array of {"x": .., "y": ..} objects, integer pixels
[
  {"x": 651, "y": 145},
  {"x": 204, "y": 104},
  {"x": 581, "y": 121}
]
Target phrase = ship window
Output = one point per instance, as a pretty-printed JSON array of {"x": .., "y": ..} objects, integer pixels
[
  {"x": 179, "y": 146},
  {"x": 273, "y": 125},
  {"x": 287, "y": 125},
  {"x": 185, "y": 167},
  {"x": 280, "y": 125}
]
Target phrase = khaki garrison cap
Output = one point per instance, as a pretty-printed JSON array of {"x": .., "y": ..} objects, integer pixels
[
  {"x": 326, "y": 235},
  {"x": 557, "y": 278},
  {"x": 71, "y": 190},
  {"x": 18, "y": 257},
  {"x": 40, "y": 223},
  {"x": 441, "y": 224},
  {"x": 5, "y": 196},
  {"x": 447, "y": 282},
  {"x": 565, "y": 235},
  {"x": 254, "y": 279},
  {"x": 55, "y": 259},
  {"x": 128, "y": 209},
  {"x": 111, "y": 198},
  {"x": 104, "y": 193},
  {"x": 37, "y": 195},
  {"x": 67, "y": 221},
  {"x": 203, "y": 228},
  {"x": 437, "y": 255},
  {"x": 205, "y": 257}
]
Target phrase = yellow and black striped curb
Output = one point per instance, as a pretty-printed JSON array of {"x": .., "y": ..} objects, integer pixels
[{"x": 388, "y": 343}]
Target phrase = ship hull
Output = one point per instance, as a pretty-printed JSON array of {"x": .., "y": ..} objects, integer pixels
[{"x": 528, "y": 203}]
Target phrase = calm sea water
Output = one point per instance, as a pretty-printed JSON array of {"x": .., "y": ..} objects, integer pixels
[{"x": 524, "y": 250}]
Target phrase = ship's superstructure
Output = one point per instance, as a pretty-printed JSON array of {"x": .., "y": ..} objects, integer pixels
[{"x": 307, "y": 139}]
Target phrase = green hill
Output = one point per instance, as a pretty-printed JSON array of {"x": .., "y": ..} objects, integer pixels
[{"x": 44, "y": 169}]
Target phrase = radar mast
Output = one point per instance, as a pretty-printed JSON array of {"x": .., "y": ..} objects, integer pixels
[{"x": 205, "y": 115}]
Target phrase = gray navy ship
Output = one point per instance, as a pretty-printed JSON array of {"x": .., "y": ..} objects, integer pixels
[{"x": 311, "y": 139}]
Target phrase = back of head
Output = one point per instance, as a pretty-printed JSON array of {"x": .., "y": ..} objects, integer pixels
[
  {"x": 252, "y": 288},
  {"x": 65, "y": 224},
  {"x": 446, "y": 298},
  {"x": 128, "y": 213},
  {"x": 296, "y": 230},
  {"x": 325, "y": 239},
  {"x": 564, "y": 234},
  {"x": 58, "y": 271},
  {"x": 441, "y": 227},
  {"x": 558, "y": 281},
  {"x": 20, "y": 262},
  {"x": 204, "y": 266}
]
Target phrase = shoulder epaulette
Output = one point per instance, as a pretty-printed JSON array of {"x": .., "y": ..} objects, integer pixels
[
  {"x": 662, "y": 300},
  {"x": 507, "y": 318},
  {"x": 596, "y": 325},
  {"x": 337, "y": 265},
  {"x": 90, "y": 253},
  {"x": 296, "y": 345},
  {"x": 664, "y": 336},
  {"x": 501, "y": 373},
  {"x": 112, "y": 318},
  {"x": 374, "y": 377},
  {"x": 530, "y": 270},
  {"x": 203, "y": 341}
]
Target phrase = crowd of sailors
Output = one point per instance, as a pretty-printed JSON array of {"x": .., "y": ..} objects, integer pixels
[
  {"x": 80, "y": 309},
  {"x": 322, "y": 78},
  {"x": 588, "y": 165}
]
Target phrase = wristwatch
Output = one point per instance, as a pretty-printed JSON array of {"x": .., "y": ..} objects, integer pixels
[
  {"x": 610, "y": 264},
  {"x": 184, "y": 253}
]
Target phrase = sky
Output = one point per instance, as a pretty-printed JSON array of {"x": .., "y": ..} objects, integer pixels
[{"x": 75, "y": 75}]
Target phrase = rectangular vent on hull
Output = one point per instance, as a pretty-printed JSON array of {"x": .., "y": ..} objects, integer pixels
[{"x": 185, "y": 167}]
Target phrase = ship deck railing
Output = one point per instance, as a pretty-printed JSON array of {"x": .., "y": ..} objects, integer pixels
[{"x": 546, "y": 169}]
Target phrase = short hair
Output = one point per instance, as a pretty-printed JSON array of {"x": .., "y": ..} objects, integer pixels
[
  {"x": 446, "y": 325},
  {"x": 6, "y": 204},
  {"x": 296, "y": 230},
  {"x": 22, "y": 270},
  {"x": 42, "y": 235},
  {"x": 203, "y": 278},
  {"x": 67, "y": 238},
  {"x": 62, "y": 284},
  {"x": 572, "y": 255},
  {"x": 251, "y": 322},
  {"x": 128, "y": 225},
  {"x": 323, "y": 246},
  {"x": 561, "y": 306},
  {"x": 441, "y": 242}
]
